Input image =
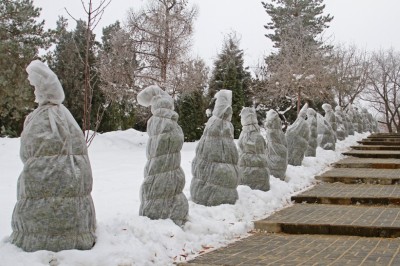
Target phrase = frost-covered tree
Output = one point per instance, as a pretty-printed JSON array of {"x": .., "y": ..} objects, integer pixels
[
  {"x": 277, "y": 153},
  {"x": 161, "y": 192},
  {"x": 252, "y": 152},
  {"x": 215, "y": 167},
  {"x": 229, "y": 73},
  {"x": 300, "y": 67},
  {"x": 297, "y": 136},
  {"x": 161, "y": 33},
  {"x": 21, "y": 37},
  {"x": 54, "y": 209}
]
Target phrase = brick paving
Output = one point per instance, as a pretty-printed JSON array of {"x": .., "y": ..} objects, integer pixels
[
  {"x": 283, "y": 249},
  {"x": 361, "y": 175},
  {"x": 353, "y": 162},
  {"x": 326, "y": 232},
  {"x": 339, "y": 193}
]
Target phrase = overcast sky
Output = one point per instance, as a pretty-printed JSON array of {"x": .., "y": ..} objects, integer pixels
[{"x": 369, "y": 24}]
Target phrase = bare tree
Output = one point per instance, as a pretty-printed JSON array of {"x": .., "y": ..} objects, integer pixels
[
  {"x": 350, "y": 73},
  {"x": 94, "y": 15},
  {"x": 383, "y": 87},
  {"x": 161, "y": 34}
]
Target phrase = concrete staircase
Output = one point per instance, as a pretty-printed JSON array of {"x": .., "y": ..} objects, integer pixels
[{"x": 351, "y": 218}]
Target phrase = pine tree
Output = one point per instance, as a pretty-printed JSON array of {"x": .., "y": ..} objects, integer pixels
[
  {"x": 300, "y": 67},
  {"x": 229, "y": 73},
  {"x": 21, "y": 36}
]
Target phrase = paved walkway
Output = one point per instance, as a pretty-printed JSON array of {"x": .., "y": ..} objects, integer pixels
[{"x": 352, "y": 218}]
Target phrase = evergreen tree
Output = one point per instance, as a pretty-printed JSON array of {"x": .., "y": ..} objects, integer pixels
[
  {"x": 21, "y": 36},
  {"x": 117, "y": 67},
  {"x": 300, "y": 68},
  {"x": 191, "y": 104},
  {"x": 229, "y": 73},
  {"x": 192, "y": 116}
]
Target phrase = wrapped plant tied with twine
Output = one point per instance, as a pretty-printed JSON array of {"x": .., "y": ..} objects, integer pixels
[
  {"x": 161, "y": 191},
  {"x": 54, "y": 210}
]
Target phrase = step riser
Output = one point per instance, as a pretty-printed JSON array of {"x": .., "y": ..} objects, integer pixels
[
  {"x": 376, "y": 148},
  {"x": 346, "y": 201},
  {"x": 359, "y": 180},
  {"x": 377, "y": 156},
  {"x": 327, "y": 229},
  {"x": 377, "y": 143},
  {"x": 368, "y": 165}
]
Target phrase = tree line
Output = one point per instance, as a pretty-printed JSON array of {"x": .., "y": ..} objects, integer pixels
[{"x": 101, "y": 78}]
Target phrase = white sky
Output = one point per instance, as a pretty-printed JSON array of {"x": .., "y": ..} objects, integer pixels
[{"x": 369, "y": 24}]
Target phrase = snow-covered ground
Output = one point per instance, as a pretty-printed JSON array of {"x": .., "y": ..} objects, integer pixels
[{"x": 123, "y": 237}]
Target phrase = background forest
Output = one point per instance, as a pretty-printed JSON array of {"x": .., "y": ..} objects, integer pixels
[{"x": 101, "y": 77}]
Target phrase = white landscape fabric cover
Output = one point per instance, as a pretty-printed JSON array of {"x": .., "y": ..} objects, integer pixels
[
  {"x": 359, "y": 120},
  {"x": 297, "y": 136},
  {"x": 54, "y": 209},
  {"x": 312, "y": 140},
  {"x": 277, "y": 154},
  {"x": 326, "y": 137},
  {"x": 330, "y": 117},
  {"x": 252, "y": 152},
  {"x": 366, "y": 122},
  {"x": 340, "y": 124},
  {"x": 161, "y": 191},
  {"x": 215, "y": 167},
  {"x": 348, "y": 115}
]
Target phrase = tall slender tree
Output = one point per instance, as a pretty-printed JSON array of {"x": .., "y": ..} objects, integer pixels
[
  {"x": 229, "y": 73},
  {"x": 300, "y": 67},
  {"x": 21, "y": 37}
]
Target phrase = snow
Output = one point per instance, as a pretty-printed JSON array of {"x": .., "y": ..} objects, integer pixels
[{"x": 123, "y": 237}]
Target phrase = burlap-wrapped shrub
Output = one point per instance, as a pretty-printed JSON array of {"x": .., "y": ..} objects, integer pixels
[
  {"x": 161, "y": 191},
  {"x": 277, "y": 154},
  {"x": 312, "y": 141},
  {"x": 330, "y": 117},
  {"x": 215, "y": 166},
  {"x": 297, "y": 136},
  {"x": 326, "y": 137},
  {"x": 341, "y": 132},
  {"x": 252, "y": 153},
  {"x": 366, "y": 121},
  {"x": 54, "y": 209}
]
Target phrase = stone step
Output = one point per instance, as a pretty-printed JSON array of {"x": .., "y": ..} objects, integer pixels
[
  {"x": 284, "y": 249},
  {"x": 383, "y": 143},
  {"x": 384, "y": 135},
  {"x": 382, "y": 139},
  {"x": 352, "y": 162},
  {"x": 373, "y": 154},
  {"x": 345, "y": 194},
  {"x": 361, "y": 175},
  {"x": 367, "y": 221},
  {"x": 376, "y": 147}
]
